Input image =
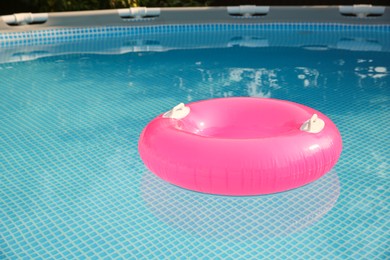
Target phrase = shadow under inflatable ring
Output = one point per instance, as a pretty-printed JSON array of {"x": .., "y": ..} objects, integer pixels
[{"x": 240, "y": 218}]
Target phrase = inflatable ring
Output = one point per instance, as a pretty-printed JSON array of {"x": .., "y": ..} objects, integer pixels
[{"x": 240, "y": 146}]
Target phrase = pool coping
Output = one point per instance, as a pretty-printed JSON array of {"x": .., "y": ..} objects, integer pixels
[{"x": 350, "y": 15}]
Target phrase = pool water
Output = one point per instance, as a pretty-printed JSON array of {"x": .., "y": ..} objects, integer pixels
[{"x": 72, "y": 184}]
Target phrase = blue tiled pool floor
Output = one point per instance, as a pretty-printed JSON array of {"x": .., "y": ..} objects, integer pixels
[{"x": 72, "y": 185}]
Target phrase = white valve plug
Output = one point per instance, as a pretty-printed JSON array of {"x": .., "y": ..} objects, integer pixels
[
  {"x": 178, "y": 112},
  {"x": 313, "y": 125}
]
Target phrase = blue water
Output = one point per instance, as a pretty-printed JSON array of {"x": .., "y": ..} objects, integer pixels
[{"x": 72, "y": 185}]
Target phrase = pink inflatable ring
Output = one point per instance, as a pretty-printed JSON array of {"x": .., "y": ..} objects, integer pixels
[{"x": 240, "y": 146}]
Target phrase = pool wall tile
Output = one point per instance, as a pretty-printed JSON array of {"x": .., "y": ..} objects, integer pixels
[{"x": 51, "y": 36}]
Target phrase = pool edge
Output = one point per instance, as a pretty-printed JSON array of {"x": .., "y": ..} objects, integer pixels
[{"x": 367, "y": 15}]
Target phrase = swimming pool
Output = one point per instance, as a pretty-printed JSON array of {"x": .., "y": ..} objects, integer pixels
[{"x": 75, "y": 99}]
